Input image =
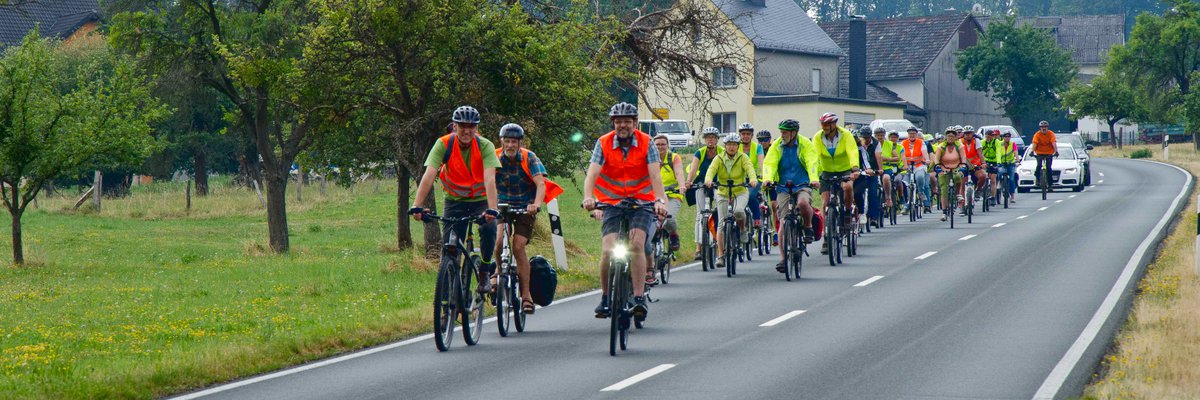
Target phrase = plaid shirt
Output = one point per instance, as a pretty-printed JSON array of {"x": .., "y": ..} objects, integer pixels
[{"x": 512, "y": 185}]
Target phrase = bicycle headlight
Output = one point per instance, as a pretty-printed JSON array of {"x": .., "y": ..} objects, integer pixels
[{"x": 620, "y": 251}]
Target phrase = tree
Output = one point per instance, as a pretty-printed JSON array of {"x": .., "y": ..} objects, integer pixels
[
  {"x": 1161, "y": 59},
  {"x": 251, "y": 52},
  {"x": 63, "y": 112},
  {"x": 1022, "y": 69},
  {"x": 1107, "y": 97}
]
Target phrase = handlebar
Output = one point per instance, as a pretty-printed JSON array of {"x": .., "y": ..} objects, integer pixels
[{"x": 426, "y": 213}]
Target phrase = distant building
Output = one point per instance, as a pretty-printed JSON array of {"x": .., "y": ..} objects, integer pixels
[
  {"x": 68, "y": 20},
  {"x": 796, "y": 75},
  {"x": 915, "y": 57}
]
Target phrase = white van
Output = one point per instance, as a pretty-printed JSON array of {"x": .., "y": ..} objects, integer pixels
[
  {"x": 677, "y": 130},
  {"x": 888, "y": 125},
  {"x": 1016, "y": 137}
]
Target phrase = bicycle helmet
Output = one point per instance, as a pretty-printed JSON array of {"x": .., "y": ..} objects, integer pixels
[
  {"x": 764, "y": 134},
  {"x": 789, "y": 125},
  {"x": 745, "y": 126},
  {"x": 1043, "y": 124},
  {"x": 513, "y": 131},
  {"x": 968, "y": 128},
  {"x": 829, "y": 118},
  {"x": 958, "y": 128},
  {"x": 893, "y": 133},
  {"x": 622, "y": 109},
  {"x": 731, "y": 138},
  {"x": 712, "y": 130},
  {"x": 880, "y": 130},
  {"x": 950, "y": 128},
  {"x": 465, "y": 115},
  {"x": 864, "y": 132}
]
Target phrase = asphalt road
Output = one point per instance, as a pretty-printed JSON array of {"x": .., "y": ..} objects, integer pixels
[{"x": 998, "y": 309}]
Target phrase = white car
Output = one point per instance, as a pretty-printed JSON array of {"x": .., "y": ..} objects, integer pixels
[
  {"x": 677, "y": 131},
  {"x": 1066, "y": 171}
]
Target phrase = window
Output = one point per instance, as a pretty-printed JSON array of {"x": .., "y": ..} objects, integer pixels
[
  {"x": 726, "y": 122},
  {"x": 724, "y": 77},
  {"x": 816, "y": 80},
  {"x": 857, "y": 118}
]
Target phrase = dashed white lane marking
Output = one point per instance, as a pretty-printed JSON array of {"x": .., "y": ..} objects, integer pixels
[
  {"x": 869, "y": 281},
  {"x": 1023, "y": 217},
  {"x": 1071, "y": 196},
  {"x": 1057, "y": 201},
  {"x": 1101, "y": 181},
  {"x": 784, "y": 317},
  {"x": 1102, "y": 174},
  {"x": 638, "y": 378},
  {"x": 926, "y": 255},
  {"x": 1043, "y": 208},
  {"x": 1092, "y": 187},
  {"x": 968, "y": 237},
  {"x": 999, "y": 225}
]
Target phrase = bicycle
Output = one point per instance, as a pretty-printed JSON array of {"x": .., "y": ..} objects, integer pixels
[
  {"x": 951, "y": 195},
  {"x": 834, "y": 211},
  {"x": 620, "y": 279},
  {"x": 708, "y": 241},
  {"x": 1045, "y": 173},
  {"x": 969, "y": 193},
  {"x": 1005, "y": 188},
  {"x": 508, "y": 281},
  {"x": 662, "y": 252},
  {"x": 453, "y": 294},
  {"x": 764, "y": 234},
  {"x": 987, "y": 188},
  {"x": 914, "y": 194},
  {"x": 731, "y": 234},
  {"x": 792, "y": 244}
]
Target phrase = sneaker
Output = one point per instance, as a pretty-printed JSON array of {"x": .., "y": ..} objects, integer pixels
[
  {"x": 602, "y": 309},
  {"x": 825, "y": 247},
  {"x": 640, "y": 311},
  {"x": 674, "y": 241},
  {"x": 485, "y": 283},
  {"x": 809, "y": 235},
  {"x": 779, "y": 267},
  {"x": 720, "y": 263},
  {"x": 927, "y": 210},
  {"x": 943, "y": 217}
]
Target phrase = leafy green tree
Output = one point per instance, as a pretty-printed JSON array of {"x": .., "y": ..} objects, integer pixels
[
  {"x": 251, "y": 52},
  {"x": 1021, "y": 68},
  {"x": 64, "y": 112},
  {"x": 1107, "y": 97},
  {"x": 1161, "y": 59}
]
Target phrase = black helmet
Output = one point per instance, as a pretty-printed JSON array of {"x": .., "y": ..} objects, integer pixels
[
  {"x": 513, "y": 131},
  {"x": 864, "y": 132},
  {"x": 466, "y": 115},
  {"x": 764, "y": 134},
  {"x": 623, "y": 109},
  {"x": 789, "y": 125}
]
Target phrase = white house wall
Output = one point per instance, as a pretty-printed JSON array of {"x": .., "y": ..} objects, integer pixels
[{"x": 911, "y": 90}]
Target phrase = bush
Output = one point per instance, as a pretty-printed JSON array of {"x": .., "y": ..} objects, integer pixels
[{"x": 1143, "y": 153}]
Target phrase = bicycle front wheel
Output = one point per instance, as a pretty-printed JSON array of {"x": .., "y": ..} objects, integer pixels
[
  {"x": 502, "y": 299},
  {"x": 444, "y": 303},
  {"x": 514, "y": 292},
  {"x": 785, "y": 246}
]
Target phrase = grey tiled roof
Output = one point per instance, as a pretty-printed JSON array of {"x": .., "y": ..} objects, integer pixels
[
  {"x": 781, "y": 26},
  {"x": 874, "y": 92},
  {"x": 55, "y": 18},
  {"x": 1087, "y": 37},
  {"x": 900, "y": 48}
]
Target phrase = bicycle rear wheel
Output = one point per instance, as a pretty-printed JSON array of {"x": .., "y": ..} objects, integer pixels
[
  {"x": 473, "y": 308},
  {"x": 730, "y": 246},
  {"x": 970, "y": 203},
  {"x": 444, "y": 303},
  {"x": 831, "y": 234},
  {"x": 502, "y": 299},
  {"x": 797, "y": 258}
]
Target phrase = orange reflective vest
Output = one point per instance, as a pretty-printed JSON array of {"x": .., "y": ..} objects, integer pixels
[
  {"x": 914, "y": 151},
  {"x": 457, "y": 178},
  {"x": 624, "y": 176},
  {"x": 552, "y": 189},
  {"x": 972, "y": 153}
]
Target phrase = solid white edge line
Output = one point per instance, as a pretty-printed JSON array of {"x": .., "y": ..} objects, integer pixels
[
  {"x": 778, "y": 320},
  {"x": 924, "y": 256},
  {"x": 968, "y": 237},
  {"x": 999, "y": 225},
  {"x": 361, "y": 353},
  {"x": 869, "y": 281},
  {"x": 638, "y": 378},
  {"x": 1043, "y": 208},
  {"x": 1058, "y": 376}
]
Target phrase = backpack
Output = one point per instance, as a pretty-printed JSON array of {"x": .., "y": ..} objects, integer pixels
[
  {"x": 543, "y": 281},
  {"x": 818, "y": 226}
]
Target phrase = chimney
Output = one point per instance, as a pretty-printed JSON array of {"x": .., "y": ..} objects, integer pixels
[{"x": 858, "y": 57}]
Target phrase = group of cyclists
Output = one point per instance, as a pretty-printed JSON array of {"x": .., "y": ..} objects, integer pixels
[{"x": 629, "y": 169}]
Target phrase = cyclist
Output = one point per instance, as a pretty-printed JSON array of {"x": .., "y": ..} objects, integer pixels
[
  {"x": 974, "y": 156},
  {"x": 792, "y": 159},
  {"x": 521, "y": 180},
  {"x": 672, "y": 184},
  {"x": 991, "y": 155},
  {"x": 1008, "y": 161},
  {"x": 627, "y": 166},
  {"x": 838, "y": 156},
  {"x": 1045, "y": 148},
  {"x": 889, "y": 155},
  {"x": 866, "y": 187},
  {"x": 465, "y": 163},
  {"x": 916, "y": 152},
  {"x": 700, "y": 162},
  {"x": 950, "y": 157},
  {"x": 731, "y": 165},
  {"x": 755, "y": 152}
]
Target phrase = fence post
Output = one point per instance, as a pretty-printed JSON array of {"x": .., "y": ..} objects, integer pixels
[
  {"x": 1166, "y": 148},
  {"x": 189, "y": 195},
  {"x": 97, "y": 188},
  {"x": 560, "y": 246}
]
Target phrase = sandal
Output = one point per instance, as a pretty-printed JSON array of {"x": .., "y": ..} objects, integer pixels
[{"x": 527, "y": 306}]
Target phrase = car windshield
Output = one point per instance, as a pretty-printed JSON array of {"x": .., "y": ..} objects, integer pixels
[
  {"x": 1074, "y": 140},
  {"x": 898, "y": 126},
  {"x": 672, "y": 127}
]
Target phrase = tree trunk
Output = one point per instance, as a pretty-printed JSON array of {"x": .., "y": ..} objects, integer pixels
[
  {"x": 201, "y": 166},
  {"x": 18, "y": 247},
  {"x": 403, "y": 226},
  {"x": 1112, "y": 129},
  {"x": 276, "y": 181}
]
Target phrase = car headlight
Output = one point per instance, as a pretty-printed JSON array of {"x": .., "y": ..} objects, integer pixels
[
  {"x": 1071, "y": 170},
  {"x": 620, "y": 251},
  {"x": 1025, "y": 171}
]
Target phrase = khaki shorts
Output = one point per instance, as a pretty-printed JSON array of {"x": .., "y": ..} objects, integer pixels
[
  {"x": 522, "y": 225},
  {"x": 785, "y": 201}
]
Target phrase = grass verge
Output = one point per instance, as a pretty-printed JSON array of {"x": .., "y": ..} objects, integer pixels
[
  {"x": 1155, "y": 353},
  {"x": 146, "y": 299}
]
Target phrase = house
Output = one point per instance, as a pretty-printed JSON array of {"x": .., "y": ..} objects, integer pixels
[
  {"x": 795, "y": 75},
  {"x": 915, "y": 58},
  {"x": 68, "y": 20}
]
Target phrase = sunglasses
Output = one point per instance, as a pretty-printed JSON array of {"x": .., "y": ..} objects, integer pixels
[{"x": 468, "y": 126}]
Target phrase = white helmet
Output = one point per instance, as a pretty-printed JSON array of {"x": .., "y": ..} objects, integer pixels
[
  {"x": 712, "y": 130},
  {"x": 745, "y": 126},
  {"x": 731, "y": 138},
  {"x": 968, "y": 128}
]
